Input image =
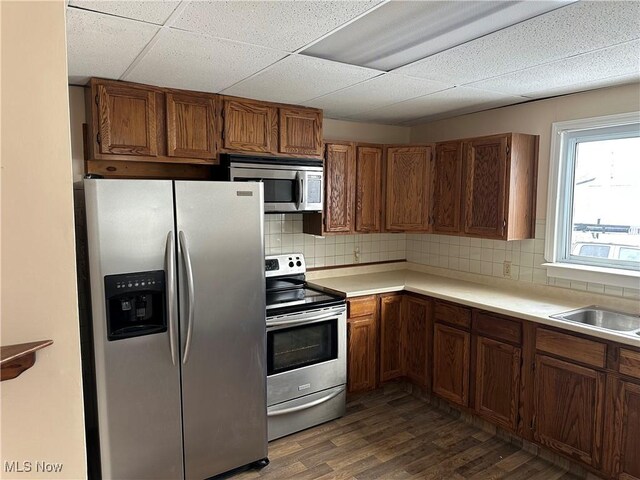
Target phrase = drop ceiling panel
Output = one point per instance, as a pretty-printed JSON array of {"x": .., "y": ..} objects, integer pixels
[
  {"x": 149, "y": 11},
  {"x": 101, "y": 45},
  {"x": 578, "y": 28},
  {"x": 375, "y": 93},
  {"x": 283, "y": 25},
  {"x": 194, "y": 62},
  {"x": 454, "y": 101},
  {"x": 565, "y": 75},
  {"x": 297, "y": 79}
]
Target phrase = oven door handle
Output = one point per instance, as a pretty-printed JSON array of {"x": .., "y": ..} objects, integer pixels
[
  {"x": 306, "y": 319},
  {"x": 297, "y": 408}
]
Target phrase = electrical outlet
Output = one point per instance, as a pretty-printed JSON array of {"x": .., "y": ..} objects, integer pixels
[
  {"x": 356, "y": 255},
  {"x": 506, "y": 269}
]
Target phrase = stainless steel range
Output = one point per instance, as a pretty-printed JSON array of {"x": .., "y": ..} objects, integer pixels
[{"x": 306, "y": 349}]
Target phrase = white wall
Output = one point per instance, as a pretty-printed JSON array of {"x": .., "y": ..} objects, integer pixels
[
  {"x": 42, "y": 410},
  {"x": 364, "y": 132},
  {"x": 486, "y": 257}
]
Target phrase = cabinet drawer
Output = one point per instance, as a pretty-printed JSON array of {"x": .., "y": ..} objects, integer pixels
[
  {"x": 629, "y": 363},
  {"x": 360, "y": 307},
  {"x": 497, "y": 327},
  {"x": 453, "y": 314},
  {"x": 574, "y": 348}
]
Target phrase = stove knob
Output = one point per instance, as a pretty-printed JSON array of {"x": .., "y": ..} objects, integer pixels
[
  {"x": 299, "y": 263},
  {"x": 291, "y": 264}
]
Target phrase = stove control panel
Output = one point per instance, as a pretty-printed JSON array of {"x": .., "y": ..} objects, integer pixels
[{"x": 285, "y": 264}]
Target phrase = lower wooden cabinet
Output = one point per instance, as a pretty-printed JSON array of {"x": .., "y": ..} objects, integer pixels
[
  {"x": 622, "y": 445},
  {"x": 362, "y": 347},
  {"x": 497, "y": 381},
  {"x": 568, "y": 408},
  {"x": 451, "y": 350},
  {"x": 417, "y": 330},
  {"x": 391, "y": 333}
]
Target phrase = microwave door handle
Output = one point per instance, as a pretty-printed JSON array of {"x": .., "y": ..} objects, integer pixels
[{"x": 300, "y": 187}]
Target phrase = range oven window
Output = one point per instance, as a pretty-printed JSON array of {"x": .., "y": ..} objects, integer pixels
[
  {"x": 302, "y": 345},
  {"x": 276, "y": 190}
]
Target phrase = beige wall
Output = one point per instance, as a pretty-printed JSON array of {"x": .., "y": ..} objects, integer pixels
[
  {"x": 77, "y": 116},
  {"x": 364, "y": 132},
  {"x": 42, "y": 413},
  {"x": 534, "y": 118}
]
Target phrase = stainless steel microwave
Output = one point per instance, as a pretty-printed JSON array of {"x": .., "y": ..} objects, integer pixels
[{"x": 290, "y": 184}]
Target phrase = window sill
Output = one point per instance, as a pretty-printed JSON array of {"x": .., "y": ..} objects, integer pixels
[{"x": 590, "y": 274}]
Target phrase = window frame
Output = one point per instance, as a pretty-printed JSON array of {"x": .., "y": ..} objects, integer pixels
[{"x": 561, "y": 263}]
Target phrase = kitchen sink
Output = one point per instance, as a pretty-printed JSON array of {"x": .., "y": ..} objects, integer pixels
[{"x": 602, "y": 318}]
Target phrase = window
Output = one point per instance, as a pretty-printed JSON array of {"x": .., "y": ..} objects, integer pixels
[{"x": 593, "y": 219}]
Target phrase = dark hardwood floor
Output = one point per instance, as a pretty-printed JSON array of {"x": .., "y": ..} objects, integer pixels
[{"x": 389, "y": 434}]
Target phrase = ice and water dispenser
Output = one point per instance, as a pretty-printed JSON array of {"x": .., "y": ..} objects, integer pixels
[{"x": 136, "y": 304}]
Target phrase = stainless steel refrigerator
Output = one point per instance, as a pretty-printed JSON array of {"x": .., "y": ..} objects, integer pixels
[{"x": 178, "y": 317}]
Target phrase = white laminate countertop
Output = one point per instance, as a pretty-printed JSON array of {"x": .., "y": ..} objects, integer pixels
[{"x": 532, "y": 304}]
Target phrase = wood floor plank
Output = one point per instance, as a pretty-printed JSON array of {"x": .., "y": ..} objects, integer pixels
[{"x": 389, "y": 434}]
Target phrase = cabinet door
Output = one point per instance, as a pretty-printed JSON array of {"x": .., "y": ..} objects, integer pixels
[
  {"x": 368, "y": 189},
  {"x": 623, "y": 429},
  {"x": 191, "y": 126},
  {"x": 300, "y": 131},
  {"x": 451, "y": 348},
  {"x": 126, "y": 120},
  {"x": 339, "y": 188},
  {"x": 249, "y": 127},
  {"x": 390, "y": 337},
  {"x": 485, "y": 186},
  {"x": 497, "y": 382},
  {"x": 417, "y": 322},
  {"x": 362, "y": 338},
  {"x": 407, "y": 196},
  {"x": 446, "y": 188},
  {"x": 568, "y": 407}
]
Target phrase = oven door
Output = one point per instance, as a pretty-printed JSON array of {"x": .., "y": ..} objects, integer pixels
[
  {"x": 286, "y": 188},
  {"x": 306, "y": 353}
]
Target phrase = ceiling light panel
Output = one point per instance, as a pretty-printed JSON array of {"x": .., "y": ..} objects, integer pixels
[
  {"x": 572, "y": 30},
  {"x": 564, "y": 75},
  {"x": 375, "y": 93},
  {"x": 452, "y": 102},
  {"x": 400, "y": 32},
  {"x": 194, "y": 62},
  {"x": 101, "y": 45},
  {"x": 283, "y": 25},
  {"x": 152, "y": 11},
  {"x": 297, "y": 79}
]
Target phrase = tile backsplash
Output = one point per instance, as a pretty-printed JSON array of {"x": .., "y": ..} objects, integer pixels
[
  {"x": 487, "y": 257},
  {"x": 283, "y": 234}
]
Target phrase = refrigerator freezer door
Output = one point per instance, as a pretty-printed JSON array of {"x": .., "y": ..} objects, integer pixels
[
  {"x": 222, "y": 322},
  {"x": 130, "y": 225}
]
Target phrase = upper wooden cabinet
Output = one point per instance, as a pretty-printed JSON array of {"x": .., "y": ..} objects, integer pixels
[
  {"x": 368, "y": 196},
  {"x": 407, "y": 188},
  {"x": 500, "y": 186},
  {"x": 300, "y": 131},
  {"x": 339, "y": 192},
  {"x": 191, "y": 125},
  {"x": 124, "y": 119},
  {"x": 249, "y": 126},
  {"x": 446, "y": 188}
]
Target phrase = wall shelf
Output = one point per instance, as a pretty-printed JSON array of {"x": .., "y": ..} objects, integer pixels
[{"x": 15, "y": 359}]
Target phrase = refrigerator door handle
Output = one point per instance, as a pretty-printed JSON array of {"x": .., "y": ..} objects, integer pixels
[
  {"x": 170, "y": 266},
  {"x": 191, "y": 293}
]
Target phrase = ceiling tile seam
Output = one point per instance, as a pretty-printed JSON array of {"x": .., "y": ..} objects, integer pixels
[
  {"x": 177, "y": 12},
  {"x": 537, "y": 65},
  {"x": 142, "y": 53},
  {"x": 268, "y": 67},
  {"x": 340, "y": 27},
  {"x": 481, "y": 36},
  {"x": 229, "y": 40},
  {"x": 358, "y": 112},
  {"x": 382, "y": 74},
  {"x": 106, "y": 14}
]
